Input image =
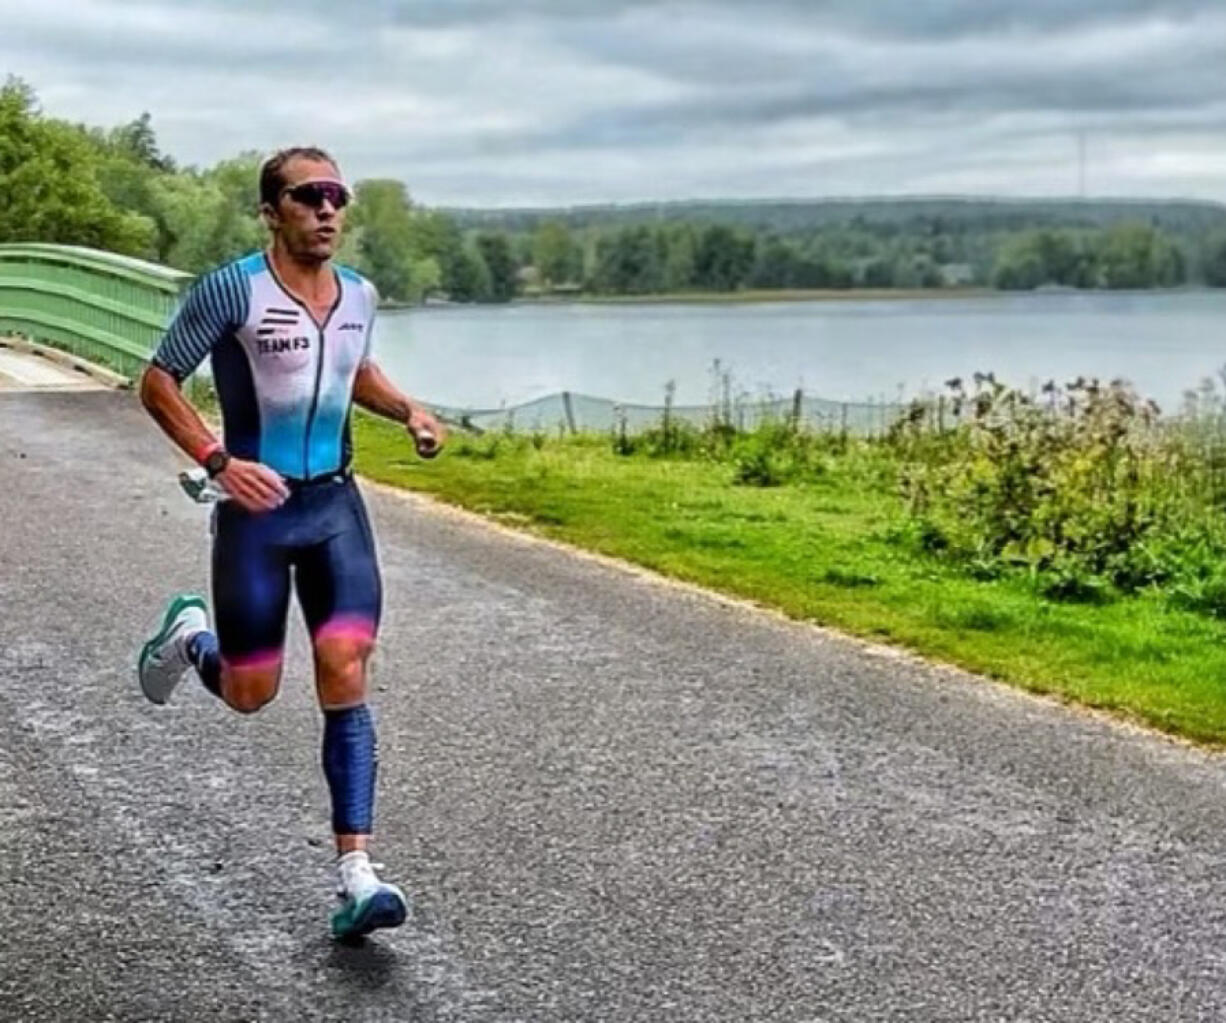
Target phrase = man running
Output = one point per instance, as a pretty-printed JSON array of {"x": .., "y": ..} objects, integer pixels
[{"x": 289, "y": 335}]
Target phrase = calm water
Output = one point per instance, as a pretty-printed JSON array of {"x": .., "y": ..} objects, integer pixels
[{"x": 847, "y": 351}]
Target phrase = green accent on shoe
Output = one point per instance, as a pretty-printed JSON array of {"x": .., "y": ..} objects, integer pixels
[
  {"x": 180, "y": 603},
  {"x": 384, "y": 907}
]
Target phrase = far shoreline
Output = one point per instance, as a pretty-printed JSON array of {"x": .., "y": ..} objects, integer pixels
[
  {"x": 746, "y": 297},
  {"x": 764, "y": 296},
  {"x": 758, "y": 295}
]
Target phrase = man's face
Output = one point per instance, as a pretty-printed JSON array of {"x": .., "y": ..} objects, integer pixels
[{"x": 307, "y": 218}]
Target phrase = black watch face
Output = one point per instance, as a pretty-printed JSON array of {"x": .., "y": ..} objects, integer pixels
[{"x": 216, "y": 462}]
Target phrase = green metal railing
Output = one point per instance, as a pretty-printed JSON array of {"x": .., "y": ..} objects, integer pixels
[{"x": 107, "y": 309}]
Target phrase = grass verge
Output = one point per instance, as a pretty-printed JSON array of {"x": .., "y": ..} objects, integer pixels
[{"x": 828, "y": 551}]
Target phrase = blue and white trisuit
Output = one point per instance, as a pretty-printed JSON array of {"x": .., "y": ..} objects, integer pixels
[{"x": 285, "y": 385}]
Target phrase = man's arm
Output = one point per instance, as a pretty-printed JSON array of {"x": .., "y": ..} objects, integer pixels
[
  {"x": 254, "y": 486},
  {"x": 211, "y": 309},
  {"x": 162, "y": 398},
  {"x": 374, "y": 392}
]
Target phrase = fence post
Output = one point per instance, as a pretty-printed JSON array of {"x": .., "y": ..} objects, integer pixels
[
  {"x": 941, "y": 413},
  {"x": 570, "y": 411},
  {"x": 843, "y": 405},
  {"x": 797, "y": 405}
]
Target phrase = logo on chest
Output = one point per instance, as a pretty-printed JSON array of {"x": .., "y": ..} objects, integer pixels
[{"x": 280, "y": 331}]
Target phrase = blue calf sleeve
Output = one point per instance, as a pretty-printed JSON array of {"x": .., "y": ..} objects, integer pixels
[
  {"x": 350, "y": 763},
  {"x": 203, "y": 653}
]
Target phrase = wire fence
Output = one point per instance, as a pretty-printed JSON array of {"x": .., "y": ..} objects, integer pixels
[{"x": 571, "y": 412}]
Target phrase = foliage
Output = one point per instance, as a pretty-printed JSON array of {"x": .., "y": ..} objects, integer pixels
[
  {"x": 387, "y": 247},
  {"x": 1128, "y": 255},
  {"x": 555, "y": 254},
  {"x": 1082, "y": 487},
  {"x": 116, "y": 189},
  {"x": 829, "y": 549},
  {"x": 50, "y": 183},
  {"x": 495, "y": 251}
]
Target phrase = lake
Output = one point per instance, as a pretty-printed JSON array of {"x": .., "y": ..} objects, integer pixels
[{"x": 877, "y": 350}]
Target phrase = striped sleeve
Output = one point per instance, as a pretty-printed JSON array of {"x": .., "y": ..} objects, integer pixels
[{"x": 214, "y": 307}]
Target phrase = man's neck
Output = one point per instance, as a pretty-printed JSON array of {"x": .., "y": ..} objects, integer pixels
[{"x": 310, "y": 279}]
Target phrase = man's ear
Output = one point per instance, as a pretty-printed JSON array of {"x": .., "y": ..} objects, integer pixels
[{"x": 269, "y": 212}]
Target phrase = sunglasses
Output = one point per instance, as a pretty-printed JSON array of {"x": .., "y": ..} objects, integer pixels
[{"x": 315, "y": 193}]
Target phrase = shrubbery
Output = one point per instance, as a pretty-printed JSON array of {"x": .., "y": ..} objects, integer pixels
[{"x": 1084, "y": 487}]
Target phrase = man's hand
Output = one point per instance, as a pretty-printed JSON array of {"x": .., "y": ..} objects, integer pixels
[
  {"x": 427, "y": 432},
  {"x": 254, "y": 486}
]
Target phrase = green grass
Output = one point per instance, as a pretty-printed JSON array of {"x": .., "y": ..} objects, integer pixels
[{"x": 824, "y": 552}]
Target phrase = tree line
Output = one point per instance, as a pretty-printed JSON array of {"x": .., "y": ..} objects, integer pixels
[{"x": 116, "y": 189}]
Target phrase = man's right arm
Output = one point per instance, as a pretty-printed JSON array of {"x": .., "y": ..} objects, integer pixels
[
  {"x": 162, "y": 398},
  {"x": 254, "y": 486},
  {"x": 211, "y": 310}
]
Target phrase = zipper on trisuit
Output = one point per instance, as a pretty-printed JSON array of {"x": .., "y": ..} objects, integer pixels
[{"x": 306, "y": 438}]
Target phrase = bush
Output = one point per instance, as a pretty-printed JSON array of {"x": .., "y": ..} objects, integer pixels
[{"x": 1083, "y": 487}]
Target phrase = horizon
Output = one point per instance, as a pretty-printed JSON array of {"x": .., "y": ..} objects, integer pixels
[{"x": 1143, "y": 200}]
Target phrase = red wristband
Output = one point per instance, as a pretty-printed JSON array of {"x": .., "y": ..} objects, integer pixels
[{"x": 202, "y": 455}]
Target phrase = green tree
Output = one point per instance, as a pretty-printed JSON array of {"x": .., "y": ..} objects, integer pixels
[
  {"x": 386, "y": 247},
  {"x": 496, "y": 251},
  {"x": 467, "y": 278},
  {"x": 1140, "y": 256},
  {"x": 555, "y": 255},
  {"x": 724, "y": 258},
  {"x": 207, "y": 218},
  {"x": 1214, "y": 262},
  {"x": 678, "y": 269},
  {"x": 774, "y": 266},
  {"x": 138, "y": 140},
  {"x": 628, "y": 263},
  {"x": 427, "y": 277},
  {"x": 49, "y": 183}
]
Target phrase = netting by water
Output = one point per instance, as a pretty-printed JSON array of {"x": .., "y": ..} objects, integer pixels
[{"x": 569, "y": 412}]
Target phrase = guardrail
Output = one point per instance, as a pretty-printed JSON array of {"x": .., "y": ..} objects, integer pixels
[
  {"x": 112, "y": 311},
  {"x": 107, "y": 309}
]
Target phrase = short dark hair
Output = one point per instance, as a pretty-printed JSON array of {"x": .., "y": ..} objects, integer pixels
[{"x": 272, "y": 177}]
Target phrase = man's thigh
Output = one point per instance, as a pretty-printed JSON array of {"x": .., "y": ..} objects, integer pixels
[
  {"x": 251, "y": 587},
  {"x": 337, "y": 579}
]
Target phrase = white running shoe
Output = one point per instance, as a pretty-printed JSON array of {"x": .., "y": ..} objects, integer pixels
[
  {"x": 366, "y": 902},
  {"x": 163, "y": 660}
]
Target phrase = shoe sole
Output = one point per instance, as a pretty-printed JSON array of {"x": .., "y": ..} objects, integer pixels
[
  {"x": 386, "y": 908},
  {"x": 177, "y": 606}
]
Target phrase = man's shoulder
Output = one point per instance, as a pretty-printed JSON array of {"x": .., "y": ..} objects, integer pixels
[
  {"x": 350, "y": 276},
  {"x": 236, "y": 272},
  {"x": 225, "y": 291}
]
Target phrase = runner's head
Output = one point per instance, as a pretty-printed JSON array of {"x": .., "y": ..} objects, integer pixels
[{"x": 303, "y": 198}]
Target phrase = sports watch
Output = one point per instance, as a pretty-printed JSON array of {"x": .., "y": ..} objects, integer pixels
[{"x": 216, "y": 462}]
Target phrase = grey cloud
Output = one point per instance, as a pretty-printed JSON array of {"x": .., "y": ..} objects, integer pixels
[
  {"x": 891, "y": 18},
  {"x": 945, "y": 18},
  {"x": 710, "y": 76},
  {"x": 1092, "y": 96}
]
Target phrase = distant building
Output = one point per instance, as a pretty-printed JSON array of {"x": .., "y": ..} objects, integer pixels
[{"x": 957, "y": 275}]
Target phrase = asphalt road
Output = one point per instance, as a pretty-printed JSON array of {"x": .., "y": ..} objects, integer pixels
[{"x": 609, "y": 798}]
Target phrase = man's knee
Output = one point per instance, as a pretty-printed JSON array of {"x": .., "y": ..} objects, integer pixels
[
  {"x": 247, "y": 690},
  {"x": 341, "y": 671}
]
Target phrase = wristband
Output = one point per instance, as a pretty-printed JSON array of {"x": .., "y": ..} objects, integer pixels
[{"x": 202, "y": 454}]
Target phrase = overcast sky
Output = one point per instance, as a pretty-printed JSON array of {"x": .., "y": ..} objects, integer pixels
[{"x": 512, "y": 102}]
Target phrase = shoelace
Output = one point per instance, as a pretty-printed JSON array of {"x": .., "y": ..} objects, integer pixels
[{"x": 342, "y": 891}]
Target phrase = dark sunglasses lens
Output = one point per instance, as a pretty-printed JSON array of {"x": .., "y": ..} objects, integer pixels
[{"x": 314, "y": 194}]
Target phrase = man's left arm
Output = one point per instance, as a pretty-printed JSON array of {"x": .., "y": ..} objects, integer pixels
[{"x": 374, "y": 392}]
